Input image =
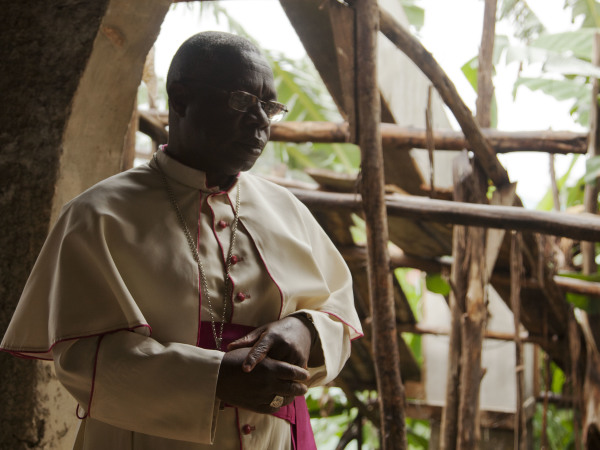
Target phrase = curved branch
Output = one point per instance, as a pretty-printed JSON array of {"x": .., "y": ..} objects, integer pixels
[{"x": 429, "y": 66}]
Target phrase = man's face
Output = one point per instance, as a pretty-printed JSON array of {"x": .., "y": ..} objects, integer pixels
[{"x": 218, "y": 139}]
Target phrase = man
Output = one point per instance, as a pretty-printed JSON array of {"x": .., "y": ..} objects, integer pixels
[{"x": 186, "y": 303}]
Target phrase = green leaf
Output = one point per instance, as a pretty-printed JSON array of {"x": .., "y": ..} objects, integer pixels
[
  {"x": 569, "y": 65},
  {"x": 590, "y": 304},
  {"x": 592, "y": 170},
  {"x": 521, "y": 17},
  {"x": 547, "y": 203},
  {"x": 470, "y": 70},
  {"x": 559, "y": 89},
  {"x": 589, "y": 9},
  {"x": 415, "y": 14},
  {"x": 575, "y": 193},
  {"x": 436, "y": 284},
  {"x": 577, "y": 43}
]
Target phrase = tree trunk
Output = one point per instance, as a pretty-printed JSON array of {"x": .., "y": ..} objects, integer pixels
[
  {"x": 385, "y": 345},
  {"x": 43, "y": 64},
  {"x": 64, "y": 130}
]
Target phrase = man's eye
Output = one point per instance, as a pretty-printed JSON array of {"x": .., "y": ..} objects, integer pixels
[
  {"x": 242, "y": 101},
  {"x": 270, "y": 108}
]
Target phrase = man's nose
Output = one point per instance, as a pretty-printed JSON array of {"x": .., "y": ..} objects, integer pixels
[{"x": 256, "y": 114}]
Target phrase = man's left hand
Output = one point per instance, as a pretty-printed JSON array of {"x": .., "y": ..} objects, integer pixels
[{"x": 289, "y": 339}]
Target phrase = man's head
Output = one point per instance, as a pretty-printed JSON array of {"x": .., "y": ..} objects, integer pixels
[{"x": 205, "y": 131}]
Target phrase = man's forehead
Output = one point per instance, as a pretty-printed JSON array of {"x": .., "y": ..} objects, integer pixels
[{"x": 239, "y": 67}]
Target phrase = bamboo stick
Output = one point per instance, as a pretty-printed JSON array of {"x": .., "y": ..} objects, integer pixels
[
  {"x": 580, "y": 227},
  {"x": 429, "y": 66},
  {"x": 459, "y": 282},
  {"x": 576, "y": 377},
  {"x": 403, "y": 138},
  {"x": 547, "y": 387},
  {"x": 430, "y": 142},
  {"x": 590, "y": 197},
  {"x": 441, "y": 331},
  {"x": 516, "y": 273},
  {"x": 385, "y": 348},
  {"x": 485, "y": 87},
  {"x": 472, "y": 327},
  {"x": 555, "y": 196},
  {"x": 400, "y": 259}
]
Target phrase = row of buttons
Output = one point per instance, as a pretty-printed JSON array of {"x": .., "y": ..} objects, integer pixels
[{"x": 241, "y": 296}]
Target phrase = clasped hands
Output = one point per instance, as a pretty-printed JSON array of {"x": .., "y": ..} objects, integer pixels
[{"x": 270, "y": 360}]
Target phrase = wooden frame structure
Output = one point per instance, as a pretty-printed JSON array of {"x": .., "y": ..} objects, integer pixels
[{"x": 514, "y": 264}]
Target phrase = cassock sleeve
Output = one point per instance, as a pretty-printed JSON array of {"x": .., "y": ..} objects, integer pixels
[
  {"x": 332, "y": 311},
  {"x": 133, "y": 382},
  {"x": 334, "y": 346}
]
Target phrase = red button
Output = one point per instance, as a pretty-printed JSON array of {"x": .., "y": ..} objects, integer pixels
[
  {"x": 222, "y": 224},
  {"x": 247, "y": 429},
  {"x": 241, "y": 296},
  {"x": 235, "y": 259}
]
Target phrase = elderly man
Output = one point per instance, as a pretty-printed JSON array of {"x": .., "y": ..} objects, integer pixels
[{"x": 186, "y": 303}]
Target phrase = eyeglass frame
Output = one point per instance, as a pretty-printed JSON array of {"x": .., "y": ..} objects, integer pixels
[{"x": 255, "y": 100}]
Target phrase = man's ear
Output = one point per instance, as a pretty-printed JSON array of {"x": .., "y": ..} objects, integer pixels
[{"x": 178, "y": 98}]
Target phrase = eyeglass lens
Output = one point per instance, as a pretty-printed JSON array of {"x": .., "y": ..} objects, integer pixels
[{"x": 242, "y": 101}]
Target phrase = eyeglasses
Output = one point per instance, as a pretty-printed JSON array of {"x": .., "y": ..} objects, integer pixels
[{"x": 242, "y": 101}]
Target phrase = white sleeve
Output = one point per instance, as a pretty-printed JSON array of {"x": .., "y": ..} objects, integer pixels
[
  {"x": 334, "y": 340},
  {"x": 136, "y": 383}
]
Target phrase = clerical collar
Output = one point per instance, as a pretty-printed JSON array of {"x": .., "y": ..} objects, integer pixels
[{"x": 186, "y": 175}]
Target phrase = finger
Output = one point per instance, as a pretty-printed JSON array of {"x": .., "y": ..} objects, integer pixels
[
  {"x": 259, "y": 351},
  {"x": 290, "y": 389},
  {"x": 247, "y": 341},
  {"x": 290, "y": 372}
]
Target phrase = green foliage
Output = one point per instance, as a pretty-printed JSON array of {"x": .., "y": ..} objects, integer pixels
[
  {"x": 300, "y": 87},
  {"x": 566, "y": 68},
  {"x": 413, "y": 293},
  {"x": 547, "y": 202},
  {"x": 592, "y": 170},
  {"x": 414, "y": 13},
  {"x": 437, "y": 284},
  {"x": 517, "y": 12},
  {"x": 587, "y": 303},
  {"x": 418, "y": 433},
  {"x": 470, "y": 70},
  {"x": 559, "y": 429},
  {"x": 575, "y": 193},
  {"x": 589, "y": 9}
]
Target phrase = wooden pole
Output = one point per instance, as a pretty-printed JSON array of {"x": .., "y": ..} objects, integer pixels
[
  {"x": 516, "y": 273},
  {"x": 579, "y": 226},
  {"x": 472, "y": 327},
  {"x": 485, "y": 87},
  {"x": 429, "y": 66},
  {"x": 385, "y": 348},
  {"x": 432, "y": 265},
  {"x": 555, "y": 196},
  {"x": 459, "y": 283},
  {"x": 474, "y": 318},
  {"x": 403, "y": 138},
  {"x": 590, "y": 198},
  {"x": 430, "y": 141}
]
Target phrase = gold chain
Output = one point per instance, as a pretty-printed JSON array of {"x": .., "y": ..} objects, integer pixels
[{"x": 193, "y": 247}]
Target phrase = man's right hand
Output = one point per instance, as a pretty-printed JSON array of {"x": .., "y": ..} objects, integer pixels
[{"x": 256, "y": 389}]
